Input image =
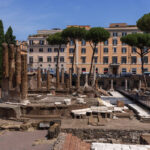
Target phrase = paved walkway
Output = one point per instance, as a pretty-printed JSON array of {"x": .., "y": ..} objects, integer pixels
[{"x": 106, "y": 146}]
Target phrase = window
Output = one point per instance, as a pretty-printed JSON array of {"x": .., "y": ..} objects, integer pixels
[
  {"x": 83, "y": 59},
  {"x": 123, "y": 60},
  {"x": 105, "y": 70},
  {"x": 83, "y": 50},
  {"x": 145, "y": 69},
  {"x": 55, "y": 50},
  {"x": 124, "y": 33},
  {"x": 114, "y": 42},
  {"x": 106, "y": 42},
  {"x": 40, "y": 49},
  {"x": 123, "y": 43},
  {"x": 115, "y": 34},
  {"x": 71, "y": 43},
  {"x": 49, "y": 59},
  {"x": 124, "y": 50},
  {"x": 96, "y": 50},
  {"x": 71, "y": 50},
  {"x": 133, "y": 49},
  {"x": 83, "y": 69},
  {"x": 71, "y": 59},
  {"x": 124, "y": 70},
  {"x": 114, "y": 50},
  {"x": 145, "y": 50},
  {"x": 40, "y": 59},
  {"x": 133, "y": 60},
  {"x": 83, "y": 42},
  {"x": 62, "y": 59},
  {"x": 114, "y": 60},
  {"x": 41, "y": 42},
  {"x": 30, "y": 42},
  {"x": 55, "y": 59},
  {"x": 49, "y": 50},
  {"x": 31, "y": 59},
  {"x": 95, "y": 60},
  {"x": 133, "y": 70},
  {"x": 105, "y": 60},
  {"x": 105, "y": 50},
  {"x": 145, "y": 58},
  {"x": 62, "y": 50},
  {"x": 31, "y": 50}
]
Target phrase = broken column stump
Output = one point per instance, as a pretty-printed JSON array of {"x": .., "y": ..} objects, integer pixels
[
  {"x": 48, "y": 80},
  {"x": 57, "y": 78},
  {"x": 18, "y": 69},
  {"x": 11, "y": 65},
  {"x": 78, "y": 79},
  {"x": 5, "y": 72},
  {"x": 24, "y": 78},
  {"x": 39, "y": 79}
]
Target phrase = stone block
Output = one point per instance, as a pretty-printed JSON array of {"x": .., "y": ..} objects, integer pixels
[{"x": 120, "y": 103}]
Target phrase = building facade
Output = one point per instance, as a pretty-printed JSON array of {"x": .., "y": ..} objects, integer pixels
[
  {"x": 43, "y": 55},
  {"x": 112, "y": 56}
]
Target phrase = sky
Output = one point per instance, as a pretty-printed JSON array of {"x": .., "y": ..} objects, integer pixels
[{"x": 28, "y": 16}]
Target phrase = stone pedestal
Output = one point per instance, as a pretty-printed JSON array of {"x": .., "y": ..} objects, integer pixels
[
  {"x": 11, "y": 65},
  {"x": 18, "y": 68},
  {"x": 39, "y": 79},
  {"x": 24, "y": 78},
  {"x": 78, "y": 79},
  {"x": 126, "y": 84}
]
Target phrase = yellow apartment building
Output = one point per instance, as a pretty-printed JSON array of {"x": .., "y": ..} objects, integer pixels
[{"x": 112, "y": 56}]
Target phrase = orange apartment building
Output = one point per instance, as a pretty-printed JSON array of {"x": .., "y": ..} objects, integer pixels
[{"x": 112, "y": 56}]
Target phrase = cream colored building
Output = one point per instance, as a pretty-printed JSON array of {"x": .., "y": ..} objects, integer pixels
[{"x": 42, "y": 55}]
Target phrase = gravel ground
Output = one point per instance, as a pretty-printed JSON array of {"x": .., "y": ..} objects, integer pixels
[{"x": 16, "y": 140}]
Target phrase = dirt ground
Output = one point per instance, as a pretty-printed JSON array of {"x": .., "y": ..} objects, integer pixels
[
  {"x": 16, "y": 140},
  {"x": 111, "y": 124}
]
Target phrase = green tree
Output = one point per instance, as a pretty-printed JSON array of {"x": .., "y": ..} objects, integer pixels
[
  {"x": 144, "y": 23},
  {"x": 9, "y": 37},
  {"x": 140, "y": 41},
  {"x": 2, "y": 39},
  {"x": 94, "y": 36},
  {"x": 73, "y": 34},
  {"x": 57, "y": 39}
]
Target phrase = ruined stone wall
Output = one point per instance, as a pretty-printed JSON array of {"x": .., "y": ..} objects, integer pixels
[{"x": 106, "y": 135}]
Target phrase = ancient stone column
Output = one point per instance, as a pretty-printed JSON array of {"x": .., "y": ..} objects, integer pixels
[
  {"x": 70, "y": 78},
  {"x": 24, "y": 77},
  {"x": 62, "y": 76},
  {"x": 11, "y": 65},
  {"x": 94, "y": 76},
  {"x": 140, "y": 83},
  {"x": 38, "y": 79},
  {"x": 18, "y": 68},
  {"x": 5, "y": 62},
  {"x": 96, "y": 84},
  {"x": 112, "y": 88},
  {"x": 126, "y": 84},
  {"x": 48, "y": 80},
  {"x": 78, "y": 78},
  {"x": 86, "y": 80},
  {"x": 57, "y": 78}
]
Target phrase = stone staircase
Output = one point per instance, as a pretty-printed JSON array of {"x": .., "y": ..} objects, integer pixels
[{"x": 74, "y": 143}]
